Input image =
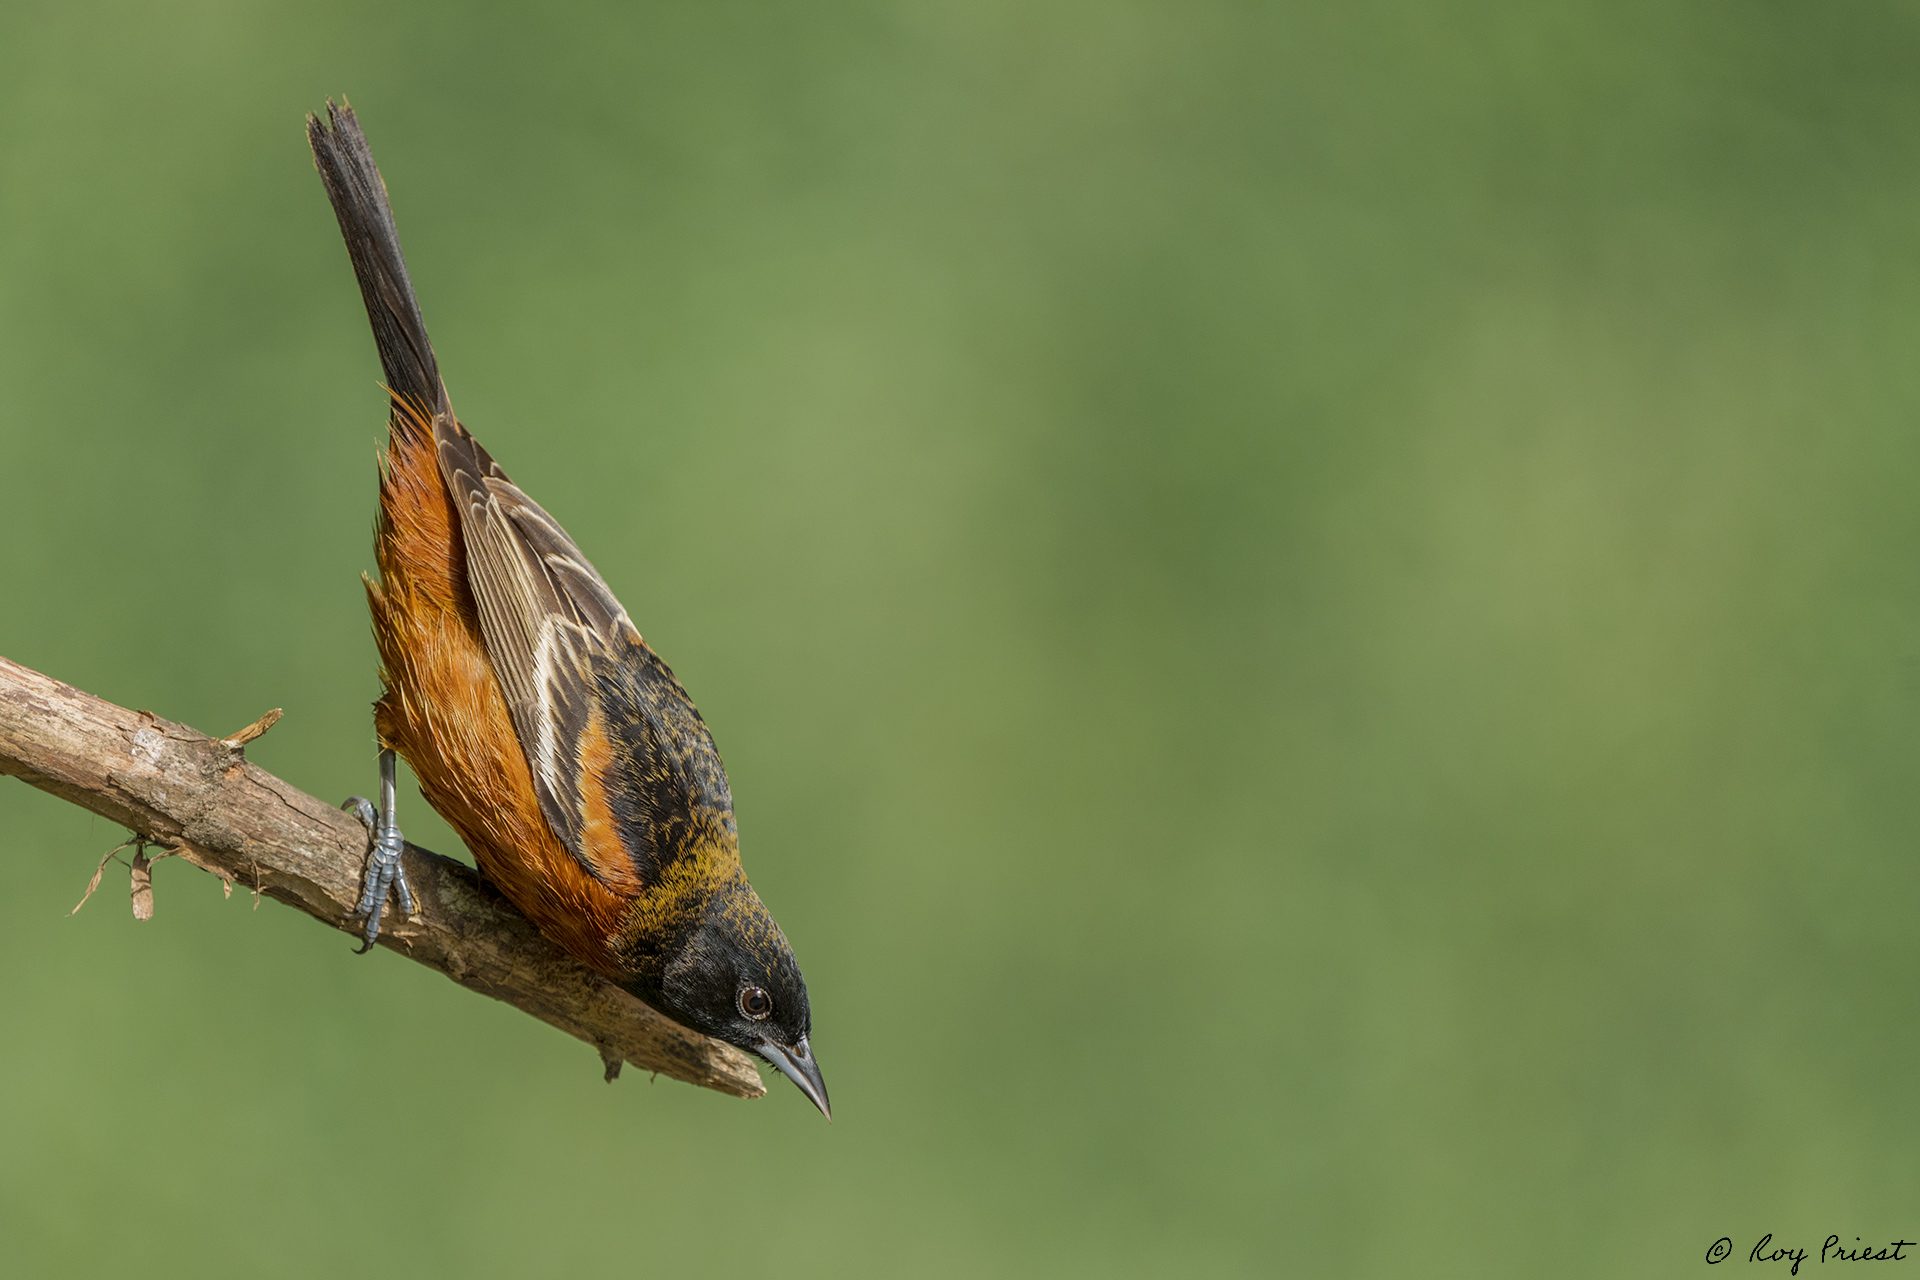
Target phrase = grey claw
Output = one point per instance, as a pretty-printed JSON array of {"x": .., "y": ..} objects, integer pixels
[
  {"x": 372, "y": 933},
  {"x": 383, "y": 873}
]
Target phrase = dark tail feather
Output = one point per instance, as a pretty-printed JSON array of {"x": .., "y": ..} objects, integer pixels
[{"x": 359, "y": 198}]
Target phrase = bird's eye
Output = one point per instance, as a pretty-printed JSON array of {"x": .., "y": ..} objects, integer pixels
[{"x": 755, "y": 1003}]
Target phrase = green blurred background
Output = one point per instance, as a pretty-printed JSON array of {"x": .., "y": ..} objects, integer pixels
[{"x": 1313, "y": 611}]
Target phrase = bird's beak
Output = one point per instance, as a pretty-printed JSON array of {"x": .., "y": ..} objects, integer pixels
[{"x": 797, "y": 1065}]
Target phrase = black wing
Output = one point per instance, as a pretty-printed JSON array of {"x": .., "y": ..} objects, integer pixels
[{"x": 584, "y": 690}]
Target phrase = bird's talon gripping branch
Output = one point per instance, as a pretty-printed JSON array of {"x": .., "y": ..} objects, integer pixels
[{"x": 384, "y": 873}]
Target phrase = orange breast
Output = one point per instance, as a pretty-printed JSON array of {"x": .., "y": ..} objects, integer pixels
[{"x": 443, "y": 710}]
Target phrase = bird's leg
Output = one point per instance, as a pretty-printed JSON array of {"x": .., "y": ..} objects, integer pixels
[{"x": 384, "y": 871}]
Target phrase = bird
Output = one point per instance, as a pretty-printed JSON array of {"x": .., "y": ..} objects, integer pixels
[{"x": 538, "y": 722}]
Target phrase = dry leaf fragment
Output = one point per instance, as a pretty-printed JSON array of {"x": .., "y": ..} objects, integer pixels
[
  {"x": 100, "y": 871},
  {"x": 142, "y": 885}
]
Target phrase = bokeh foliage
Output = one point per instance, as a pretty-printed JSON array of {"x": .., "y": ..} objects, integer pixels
[{"x": 1312, "y": 609}]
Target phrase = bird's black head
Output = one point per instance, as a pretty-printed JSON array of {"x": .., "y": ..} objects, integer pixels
[{"x": 733, "y": 977}]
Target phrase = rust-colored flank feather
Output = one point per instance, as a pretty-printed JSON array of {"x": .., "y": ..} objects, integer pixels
[{"x": 444, "y": 712}]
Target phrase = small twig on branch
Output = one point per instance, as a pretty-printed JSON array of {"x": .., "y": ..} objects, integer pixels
[
  {"x": 200, "y": 798},
  {"x": 101, "y": 870}
]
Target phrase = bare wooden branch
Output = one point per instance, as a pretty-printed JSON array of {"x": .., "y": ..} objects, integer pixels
[{"x": 200, "y": 798}]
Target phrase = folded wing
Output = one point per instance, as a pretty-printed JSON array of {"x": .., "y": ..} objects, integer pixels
[{"x": 623, "y": 765}]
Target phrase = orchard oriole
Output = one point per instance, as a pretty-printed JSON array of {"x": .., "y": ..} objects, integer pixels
[{"x": 539, "y": 723}]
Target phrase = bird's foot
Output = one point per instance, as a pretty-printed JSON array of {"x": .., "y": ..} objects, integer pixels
[{"x": 384, "y": 872}]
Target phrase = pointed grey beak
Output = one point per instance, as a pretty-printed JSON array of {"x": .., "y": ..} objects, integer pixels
[{"x": 797, "y": 1065}]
